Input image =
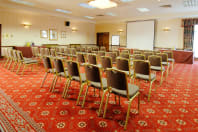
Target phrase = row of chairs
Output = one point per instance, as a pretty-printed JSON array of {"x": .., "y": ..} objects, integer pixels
[
  {"x": 14, "y": 58},
  {"x": 116, "y": 81}
]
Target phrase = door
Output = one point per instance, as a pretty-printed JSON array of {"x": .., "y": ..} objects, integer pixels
[{"x": 103, "y": 40}]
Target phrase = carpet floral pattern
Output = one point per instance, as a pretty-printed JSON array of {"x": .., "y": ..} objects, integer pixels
[{"x": 173, "y": 106}]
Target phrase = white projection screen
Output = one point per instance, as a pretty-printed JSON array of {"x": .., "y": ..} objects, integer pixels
[{"x": 141, "y": 34}]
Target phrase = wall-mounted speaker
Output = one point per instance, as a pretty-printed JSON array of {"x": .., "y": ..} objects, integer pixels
[{"x": 67, "y": 23}]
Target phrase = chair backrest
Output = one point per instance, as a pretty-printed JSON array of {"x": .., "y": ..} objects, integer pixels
[
  {"x": 125, "y": 55},
  {"x": 47, "y": 63},
  {"x": 73, "y": 51},
  {"x": 125, "y": 51},
  {"x": 138, "y": 57},
  {"x": 117, "y": 52},
  {"x": 15, "y": 55},
  {"x": 155, "y": 52},
  {"x": 155, "y": 60},
  {"x": 19, "y": 55},
  {"x": 113, "y": 56},
  {"x": 137, "y": 52},
  {"x": 92, "y": 59},
  {"x": 106, "y": 62},
  {"x": 58, "y": 64},
  {"x": 92, "y": 73},
  {"x": 67, "y": 51},
  {"x": 122, "y": 64},
  {"x": 82, "y": 49},
  {"x": 169, "y": 53},
  {"x": 73, "y": 68},
  {"x": 147, "y": 54},
  {"x": 47, "y": 51},
  {"x": 95, "y": 48},
  {"x": 33, "y": 51},
  {"x": 89, "y": 49},
  {"x": 141, "y": 67},
  {"x": 117, "y": 79},
  {"x": 164, "y": 57},
  {"x": 61, "y": 49},
  {"x": 53, "y": 52},
  {"x": 10, "y": 53},
  {"x": 80, "y": 58},
  {"x": 101, "y": 53},
  {"x": 78, "y": 48},
  {"x": 103, "y": 48}
]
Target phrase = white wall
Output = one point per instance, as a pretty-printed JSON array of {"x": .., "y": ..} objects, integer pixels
[
  {"x": 172, "y": 38},
  {"x": 13, "y": 32}
]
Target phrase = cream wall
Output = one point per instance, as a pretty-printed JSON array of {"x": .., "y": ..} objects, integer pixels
[
  {"x": 170, "y": 39},
  {"x": 113, "y": 28},
  {"x": 13, "y": 32}
]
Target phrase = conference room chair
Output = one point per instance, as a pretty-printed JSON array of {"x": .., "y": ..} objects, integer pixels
[
  {"x": 53, "y": 52},
  {"x": 4, "y": 60},
  {"x": 74, "y": 74},
  {"x": 142, "y": 71},
  {"x": 61, "y": 71},
  {"x": 106, "y": 62},
  {"x": 15, "y": 59},
  {"x": 165, "y": 62},
  {"x": 48, "y": 68},
  {"x": 125, "y": 55},
  {"x": 100, "y": 53},
  {"x": 95, "y": 49},
  {"x": 10, "y": 56},
  {"x": 92, "y": 59},
  {"x": 113, "y": 56},
  {"x": 117, "y": 52},
  {"x": 78, "y": 49},
  {"x": 156, "y": 65},
  {"x": 147, "y": 54},
  {"x": 137, "y": 52},
  {"x": 117, "y": 84},
  {"x": 102, "y": 48},
  {"x": 155, "y": 52},
  {"x": 125, "y": 51},
  {"x": 25, "y": 62},
  {"x": 139, "y": 57},
  {"x": 93, "y": 79},
  {"x": 81, "y": 58},
  {"x": 82, "y": 49},
  {"x": 170, "y": 57},
  {"x": 124, "y": 65}
]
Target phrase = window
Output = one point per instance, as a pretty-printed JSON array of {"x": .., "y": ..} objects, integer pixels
[
  {"x": 195, "y": 45},
  {"x": 115, "y": 40}
]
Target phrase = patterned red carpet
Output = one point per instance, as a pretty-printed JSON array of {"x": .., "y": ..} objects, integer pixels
[{"x": 173, "y": 107}]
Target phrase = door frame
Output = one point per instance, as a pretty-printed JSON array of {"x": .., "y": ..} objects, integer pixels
[{"x": 0, "y": 40}]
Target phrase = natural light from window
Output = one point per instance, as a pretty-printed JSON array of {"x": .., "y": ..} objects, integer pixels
[{"x": 195, "y": 45}]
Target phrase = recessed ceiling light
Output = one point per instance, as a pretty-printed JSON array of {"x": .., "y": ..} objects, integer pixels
[
  {"x": 89, "y": 17},
  {"x": 85, "y": 5},
  {"x": 23, "y": 2},
  {"x": 143, "y": 9},
  {"x": 127, "y": 0},
  {"x": 110, "y": 14},
  {"x": 63, "y": 11}
]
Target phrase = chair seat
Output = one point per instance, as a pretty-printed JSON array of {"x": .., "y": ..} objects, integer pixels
[
  {"x": 171, "y": 59},
  {"x": 77, "y": 78},
  {"x": 63, "y": 74},
  {"x": 97, "y": 84},
  {"x": 166, "y": 63},
  {"x": 133, "y": 89},
  {"x": 30, "y": 61},
  {"x": 145, "y": 77},
  {"x": 27, "y": 58},
  {"x": 52, "y": 70},
  {"x": 157, "y": 68}
]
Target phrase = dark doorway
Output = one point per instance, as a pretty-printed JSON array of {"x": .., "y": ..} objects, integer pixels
[{"x": 103, "y": 40}]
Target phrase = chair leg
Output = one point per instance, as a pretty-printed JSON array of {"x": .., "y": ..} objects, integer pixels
[
  {"x": 101, "y": 102},
  {"x": 167, "y": 71},
  {"x": 127, "y": 116},
  {"x": 139, "y": 103},
  {"x": 105, "y": 109},
  {"x": 162, "y": 75},
  {"x": 6, "y": 63},
  {"x": 44, "y": 79},
  {"x": 173, "y": 65},
  {"x": 65, "y": 95},
  {"x": 9, "y": 64},
  {"x": 52, "y": 83},
  {"x": 115, "y": 99},
  {"x": 65, "y": 87},
  {"x": 149, "y": 95},
  {"x": 15, "y": 63},
  {"x": 85, "y": 96},
  {"x": 81, "y": 89},
  {"x": 55, "y": 81},
  {"x": 18, "y": 68},
  {"x": 23, "y": 69}
]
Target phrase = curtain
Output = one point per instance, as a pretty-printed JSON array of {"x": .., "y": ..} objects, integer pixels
[{"x": 188, "y": 25}]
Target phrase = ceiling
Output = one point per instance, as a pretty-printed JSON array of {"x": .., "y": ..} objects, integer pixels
[{"x": 124, "y": 12}]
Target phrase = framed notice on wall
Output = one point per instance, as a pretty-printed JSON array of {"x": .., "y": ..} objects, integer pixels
[
  {"x": 44, "y": 34},
  {"x": 115, "y": 40}
]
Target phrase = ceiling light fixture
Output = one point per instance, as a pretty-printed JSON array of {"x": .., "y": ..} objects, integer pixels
[
  {"x": 102, "y": 4},
  {"x": 23, "y": 2},
  {"x": 89, "y": 17},
  {"x": 85, "y": 5},
  {"x": 143, "y": 9},
  {"x": 63, "y": 11}
]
